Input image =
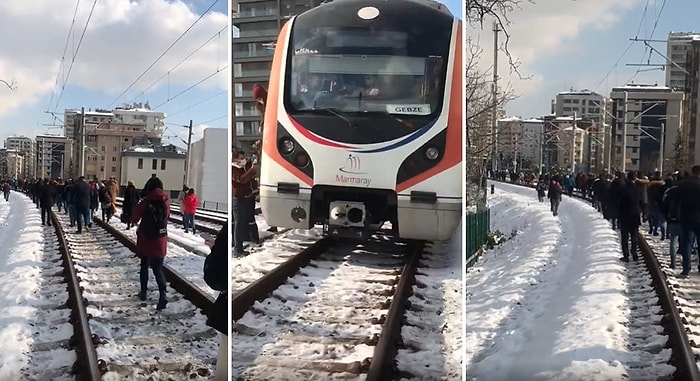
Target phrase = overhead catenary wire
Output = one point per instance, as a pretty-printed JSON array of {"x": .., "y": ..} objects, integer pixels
[
  {"x": 163, "y": 54},
  {"x": 180, "y": 63},
  {"x": 222, "y": 92},
  {"x": 75, "y": 54},
  {"x": 63, "y": 56},
  {"x": 191, "y": 87}
]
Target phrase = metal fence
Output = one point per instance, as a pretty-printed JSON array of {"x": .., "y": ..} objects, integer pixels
[{"x": 478, "y": 218}]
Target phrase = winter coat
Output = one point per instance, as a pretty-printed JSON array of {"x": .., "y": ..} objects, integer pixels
[
  {"x": 655, "y": 191},
  {"x": 131, "y": 198},
  {"x": 670, "y": 205},
  {"x": 241, "y": 179},
  {"x": 554, "y": 191},
  {"x": 615, "y": 191},
  {"x": 94, "y": 198},
  {"x": 145, "y": 246},
  {"x": 688, "y": 191},
  {"x": 189, "y": 204},
  {"x": 217, "y": 317},
  {"x": 630, "y": 206},
  {"x": 113, "y": 189},
  {"x": 81, "y": 194},
  {"x": 46, "y": 196}
]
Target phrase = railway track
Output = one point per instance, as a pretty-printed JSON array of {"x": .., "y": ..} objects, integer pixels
[
  {"x": 332, "y": 309},
  {"x": 209, "y": 225},
  {"x": 670, "y": 314},
  {"x": 116, "y": 336}
]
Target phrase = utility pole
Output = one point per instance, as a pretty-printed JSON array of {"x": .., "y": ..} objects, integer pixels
[
  {"x": 189, "y": 155},
  {"x": 661, "y": 151},
  {"x": 81, "y": 141},
  {"x": 494, "y": 98},
  {"x": 624, "y": 136}
]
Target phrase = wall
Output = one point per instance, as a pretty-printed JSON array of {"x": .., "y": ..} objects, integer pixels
[
  {"x": 210, "y": 168},
  {"x": 171, "y": 176}
]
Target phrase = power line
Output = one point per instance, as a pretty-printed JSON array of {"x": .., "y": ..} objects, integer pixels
[
  {"x": 181, "y": 62},
  {"x": 164, "y": 53},
  {"x": 80, "y": 42},
  {"x": 193, "y": 86},
  {"x": 199, "y": 103},
  {"x": 63, "y": 56}
]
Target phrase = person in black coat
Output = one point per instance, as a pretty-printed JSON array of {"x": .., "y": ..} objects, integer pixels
[
  {"x": 81, "y": 199},
  {"x": 131, "y": 198},
  {"x": 629, "y": 212},
  {"x": 216, "y": 277},
  {"x": 554, "y": 195},
  {"x": 689, "y": 205},
  {"x": 614, "y": 198},
  {"x": 46, "y": 200}
]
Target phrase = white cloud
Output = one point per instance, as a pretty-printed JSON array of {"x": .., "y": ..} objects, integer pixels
[
  {"x": 546, "y": 29},
  {"x": 123, "y": 38}
]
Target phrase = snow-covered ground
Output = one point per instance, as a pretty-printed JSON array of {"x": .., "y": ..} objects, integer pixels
[
  {"x": 551, "y": 303},
  {"x": 31, "y": 325},
  {"x": 433, "y": 333}
]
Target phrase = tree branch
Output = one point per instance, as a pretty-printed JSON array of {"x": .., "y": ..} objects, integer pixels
[{"x": 10, "y": 85}]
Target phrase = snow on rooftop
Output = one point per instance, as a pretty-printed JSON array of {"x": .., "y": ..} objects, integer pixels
[
  {"x": 510, "y": 119},
  {"x": 141, "y": 149}
]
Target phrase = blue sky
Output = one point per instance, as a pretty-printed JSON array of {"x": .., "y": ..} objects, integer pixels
[
  {"x": 123, "y": 38},
  {"x": 567, "y": 43}
]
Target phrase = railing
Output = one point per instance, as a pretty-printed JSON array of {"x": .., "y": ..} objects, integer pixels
[
  {"x": 256, "y": 13},
  {"x": 478, "y": 226}
]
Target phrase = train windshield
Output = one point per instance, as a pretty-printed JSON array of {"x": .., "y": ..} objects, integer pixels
[{"x": 358, "y": 73}]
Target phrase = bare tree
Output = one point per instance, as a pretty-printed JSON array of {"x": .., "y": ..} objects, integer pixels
[
  {"x": 10, "y": 85},
  {"x": 480, "y": 107}
]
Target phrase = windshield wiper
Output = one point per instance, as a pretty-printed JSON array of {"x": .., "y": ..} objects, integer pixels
[
  {"x": 338, "y": 113},
  {"x": 395, "y": 119}
]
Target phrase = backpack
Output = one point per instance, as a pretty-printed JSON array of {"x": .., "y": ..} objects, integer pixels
[
  {"x": 670, "y": 205},
  {"x": 216, "y": 263},
  {"x": 154, "y": 223}
]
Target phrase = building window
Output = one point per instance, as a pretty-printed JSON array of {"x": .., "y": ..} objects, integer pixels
[
  {"x": 155, "y": 164},
  {"x": 114, "y": 149},
  {"x": 91, "y": 138},
  {"x": 114, "y": 169},
  {"x": 140, "y": 165},
  {"x": 634, "y": 149},
  {"x": 634, "y": 161},
  {"x": 162, "y": 164},
  {"x": 103, "y": 148},
  {"x": 114, "y": 158},
  {"x": 102, "y": 168}
]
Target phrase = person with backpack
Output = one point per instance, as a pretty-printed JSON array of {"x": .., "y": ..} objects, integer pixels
[
  {"x": 189, "y": 208},
  {"x": 216, "y": 277},
  {"x": 670, "y": 209},
  {"x": 131, "y": 198},
  {"x": 554, "y": 195},
  {"x": 152, "y": 213},
  {"x": 81, "y": 202},
  {"x": 46, "y": 200},
  {"x": 105, "y": 199}
]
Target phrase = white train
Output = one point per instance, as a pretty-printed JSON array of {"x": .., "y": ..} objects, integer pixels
[{"x": 363, "y": 123}]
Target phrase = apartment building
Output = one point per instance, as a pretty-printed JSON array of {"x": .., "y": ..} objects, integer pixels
[
  {"x": 678, "y": 47},
  {"x": 140, "y": 163},
  {"x": 54, "y": 157}
]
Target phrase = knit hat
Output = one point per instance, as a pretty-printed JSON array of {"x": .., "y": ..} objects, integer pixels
[{"x": 259, "y": 92}]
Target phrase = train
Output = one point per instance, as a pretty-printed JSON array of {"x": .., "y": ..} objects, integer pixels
[{"x": 363, "y": 121}]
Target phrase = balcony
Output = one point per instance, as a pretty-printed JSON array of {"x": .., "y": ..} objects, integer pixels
[
  {"x": 257, "y": 33},
  {"x": 256, "y": 13},
  {"x": 256, "y": 54}
]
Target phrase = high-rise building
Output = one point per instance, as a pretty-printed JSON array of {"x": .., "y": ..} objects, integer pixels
[
  {"x": 678, "y": 47},
  {"x": 650, "y": 110},
  {"x": 256, "y": 24},
  {"x": 54, "y": 157},
  {"x": 23, "y": 146}
]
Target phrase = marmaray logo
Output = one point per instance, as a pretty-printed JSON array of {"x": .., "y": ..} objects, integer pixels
[{"x": 353, "y": 165}]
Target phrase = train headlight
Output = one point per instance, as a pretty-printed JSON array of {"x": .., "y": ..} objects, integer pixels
[
  {"x": 286, "y": 146},
  {"x": 301, "y": 160},
  {"x": 432, "y": 153}
]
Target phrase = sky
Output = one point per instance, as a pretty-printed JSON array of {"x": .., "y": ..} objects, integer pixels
[
  {"x": 564, "y": 44},
  {"x": 122, "y": 39}
]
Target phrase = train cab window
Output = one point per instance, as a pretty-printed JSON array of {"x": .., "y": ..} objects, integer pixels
[{"x": 384, "y": 79}]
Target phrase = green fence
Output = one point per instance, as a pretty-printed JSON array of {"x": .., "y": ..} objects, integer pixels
[{"x": 478, "y": 224}]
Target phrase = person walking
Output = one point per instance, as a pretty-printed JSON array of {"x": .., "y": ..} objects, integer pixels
[
  {"x": 554, "y": 195},
  {"x": 182, "y": 194},
  {"x": 113, "y": 190},
  {"x": 131, "y": 198},
  {"x": 689, "y": 204},
  {"x": 105, "y": 202},
  {"x": 629, "y": 214},
  {"x": 152, "y": 213},
  {"x": 46, "y": 201},
  {"x": 242, "y": 173},
  {"x": 70, "y": 201},
  {"x": 189, "y": 208},
  {"x": 81, "y": 200},
  {"x": 670, "y": 209},
  {"x": 541, "y": 187},
  {"x": 216, "y": 277}
]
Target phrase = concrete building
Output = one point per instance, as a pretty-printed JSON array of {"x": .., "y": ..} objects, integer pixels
[
  {"x": 586, "y": 104},
  {"x": 140, "y": 163},
  {"x": 519, "y": 143},
  {"x": 648, "y": 109},
  {"x": 54, "y": 157},
  {"x": 678, "y": 47},
  {"x": 105, "y": 142},
  {"x": 139, "y": 113},
  {"x": 531, "y": 142},
  {"x": 11, "y": 164},
  {"x": 25, "y": 147},
  {"x": 571, "y": 147},
  {"x": 256, "y": 24},
  {"x": 689, "y": 149},
  {"x": 209, "y": 168}
]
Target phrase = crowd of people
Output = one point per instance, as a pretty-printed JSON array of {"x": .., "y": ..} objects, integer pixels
[{"x": 667, "y": 203}]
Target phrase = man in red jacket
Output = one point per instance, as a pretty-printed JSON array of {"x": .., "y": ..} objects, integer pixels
[
  {"x": 242, "y": 182},
  {"x": 189, "y": 204}
]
